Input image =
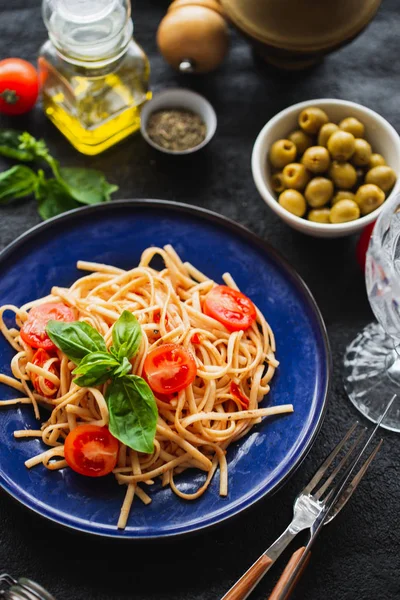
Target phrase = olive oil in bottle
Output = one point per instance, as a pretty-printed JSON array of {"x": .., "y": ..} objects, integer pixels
[{"x": 94, "y": 76}]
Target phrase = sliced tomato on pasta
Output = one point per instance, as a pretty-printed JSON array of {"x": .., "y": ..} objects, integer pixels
[
  {"x": 33, "y": 331},
  {"x": 238, "y": 395},
  {"x": 157, "y": 317},
  {"x": 91, "y": 450},
  {"x": 40, "y": 358},
  {"x": 231, "y": 308},
  {"x": 169, "y": 368}
]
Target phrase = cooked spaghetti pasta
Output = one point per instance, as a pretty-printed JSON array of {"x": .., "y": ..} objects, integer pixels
[{"x": 194, "y": 427}]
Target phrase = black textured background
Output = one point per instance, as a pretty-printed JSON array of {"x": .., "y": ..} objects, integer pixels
[{"x": 357, "y": 556}]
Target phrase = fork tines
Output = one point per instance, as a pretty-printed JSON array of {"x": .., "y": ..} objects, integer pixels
[{"x": 342, "y": 458}]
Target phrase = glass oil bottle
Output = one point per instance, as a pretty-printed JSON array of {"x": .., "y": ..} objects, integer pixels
[{"x": 94, "y": 76}]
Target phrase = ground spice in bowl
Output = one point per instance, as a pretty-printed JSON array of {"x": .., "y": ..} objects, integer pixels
[{"x": 176, "y": 129}]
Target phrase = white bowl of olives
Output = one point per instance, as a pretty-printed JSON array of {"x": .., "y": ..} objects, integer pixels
[{"x": 327, "y": 166}]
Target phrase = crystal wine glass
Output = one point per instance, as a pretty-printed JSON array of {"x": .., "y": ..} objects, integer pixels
[{"x": 372, "y": 361}]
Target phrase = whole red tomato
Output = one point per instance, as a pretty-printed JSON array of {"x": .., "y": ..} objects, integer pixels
[
  {"x": 19, "y": 86},
  {"x": 362, "y": 244}
]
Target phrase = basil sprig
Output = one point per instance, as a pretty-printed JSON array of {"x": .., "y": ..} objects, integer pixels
[
  {"x": 124, "y": 367},
  {"x": 95, "y": 368},
  {"x": 131, "y": 404},
  {"x": 67, "y": 188}
]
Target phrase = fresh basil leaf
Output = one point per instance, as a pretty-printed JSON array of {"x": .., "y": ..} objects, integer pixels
[
  {"x": 113, "y": 352},
  {"x": 133, "y": 412},
  {"x": 124, "y": 368},
  {"x": 76, "y": 339},
  {"x": 53, "y": 199},
  {"x": 38, "y": 148},
  {"x": 10, "y": 146},
  {"x": 87, "y": 186},
  {"x": 126, "y": 335},
  {"x": 95, "y": 368},
  {"x": 17, "y": 182},
  {"x": 108, "y": 189}
]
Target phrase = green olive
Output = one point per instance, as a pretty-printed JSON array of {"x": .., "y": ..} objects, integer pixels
[
  {"x": 353, "y": 126},
  {"x": 277, "y": 182},
  {"x": 344, "y": 211},
  {"x": 383, "y": 176},
  {"x": 294, "y": 202},
  {"x": 301, "y": 140},
  {"x": 343, "y": 175},
  {"x": 295, "y": 176},
  {"x": 325, "y": 133},
  {"x": 362, "y": 153},
  {"x": 341, "y": 145},
  {"x": 376, "y": 160},
  {"x": 342, "y": 195},
  {"x": 282, "y": 153},
  {"x": 319, "y": 215},
  {"x": 311, "y": 119},
  {"x": 369, "y": 197},
  {"x": 319, "y": 191},
  {"x": 316, "y": 159}
]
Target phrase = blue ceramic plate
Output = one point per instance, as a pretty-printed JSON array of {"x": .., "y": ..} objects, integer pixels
[{"x": 117, "y": 233}]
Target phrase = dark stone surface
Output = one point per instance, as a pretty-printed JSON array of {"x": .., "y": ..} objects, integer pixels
[{"x": 357, "y": 556}]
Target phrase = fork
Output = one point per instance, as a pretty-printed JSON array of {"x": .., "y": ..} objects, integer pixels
[
  {"x": 308, "y": 505},
  {"x": 22, "y": 589}
]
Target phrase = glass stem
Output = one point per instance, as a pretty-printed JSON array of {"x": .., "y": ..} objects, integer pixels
[{"x": 393, "y": 364}]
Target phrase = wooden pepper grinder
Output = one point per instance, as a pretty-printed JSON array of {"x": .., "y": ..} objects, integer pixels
[{"x": 193, "y": 36}]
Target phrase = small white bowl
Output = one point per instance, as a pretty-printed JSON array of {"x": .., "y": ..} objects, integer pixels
[
  {"x": 379, "y": 133},
  {"x": 180, "y": 98}
]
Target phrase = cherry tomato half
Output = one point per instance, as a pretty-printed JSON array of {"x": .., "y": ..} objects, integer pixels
[
  {"x": 163, "y": 397},
  {"x": 19, "y": 86},
  {"x": 362, "y": 244},
  {"x": 169, "y": 368},
  {"x": 230, "y": 307},
  {"x": 40, "y": 358},
  {"x": 91, "y": 450},
  {"x": 33, "y": 331}
]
